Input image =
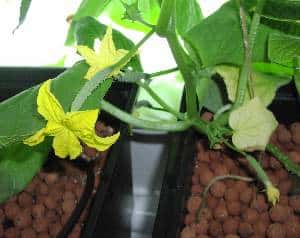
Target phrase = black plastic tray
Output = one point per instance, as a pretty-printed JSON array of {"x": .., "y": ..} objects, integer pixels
[
  {"x": 15, "y": 79},
  {"x": 171, "y": 209}
]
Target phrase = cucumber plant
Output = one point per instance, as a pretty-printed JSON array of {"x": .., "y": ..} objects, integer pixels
[{"x": 251, "y": 45}]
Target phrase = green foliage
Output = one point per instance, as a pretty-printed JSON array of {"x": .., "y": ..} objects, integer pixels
[
  {"x": 218, "y": 38},
  {"x": 18, "y": 164},
  {"x": 25, "y": 4},
  {"x": 87, "y": 29},
  {"x": 273, "y": 69},
  {"x": 89, "y": 87},
  {"x": 19, "y": 116},
  {"x": 215, "y": 97},
  {"x": 169, "y": 90},
  {"x": 283, "y": 49},
  {"x": 87, "y": 8},
  {"x": 282, "y": 9},
  {"x": 264, "y": 85},
  {"x": 297, "y": 74},
  {"x": 149, "y": 10},
  {"x": 132, "y": 12},
  {"x": 188, "y": 14}
]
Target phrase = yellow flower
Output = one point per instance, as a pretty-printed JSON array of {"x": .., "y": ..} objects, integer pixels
[
  {"x": 106, "y": 57},
  {"x": 68, "y": 129},
  {"x": 272, "y": 193}
]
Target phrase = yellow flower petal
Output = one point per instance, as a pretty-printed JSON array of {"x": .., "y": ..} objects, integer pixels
[
  {"x": 35, "y": 139},
  {"x": 82, "y": 122},
  {"x": 107, "y": 45},
  {"x": 48, "y": 106},
  {"x": 106, "y": 57},
  {"x": 52, "y": 128},
  {"x": 91, "y": 72},
  {"x": 103, "y": 143},
  {"x": 66, "y": 144},
  {"x": 88, "y": 54},
  {"x": 272, "y": 194}
]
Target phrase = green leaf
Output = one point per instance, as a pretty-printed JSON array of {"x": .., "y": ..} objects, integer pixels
[
  {"x": 132, "y": 12},
  {"x": 218, "y": 38},
  {"x": 215, "y": 97},
  {"x": 19, "y": 116},
  {"x": 273, "y": 68},
  {"x": 188, "y": 14},
  {"x": 252, "y": 126},
  {"x": 18, "y": 164},
  {"x": 297, "y": 74},
  {"x": 25, "y": 4},
  {"x": 282, "y": 9},
  {"x": 169, "y": 89},
  {"x": 283, "y": 49},
  {"x": 87, "y": 8},
  {"x": 99, "y": 79},
  {"x": 264, "y": 85},
  {"x": 87, "y": 29},
  {"x": 149, "y": 10}
]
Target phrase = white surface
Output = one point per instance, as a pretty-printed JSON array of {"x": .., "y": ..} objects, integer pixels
[{"x": 40, "y": 40}]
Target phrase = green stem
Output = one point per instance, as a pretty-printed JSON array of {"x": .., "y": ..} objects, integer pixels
[
  {"x": 160, "y": 101},
  {"x": 131, "y": 120},
  {"x": 182, "y": 61},
  {"x": 249, "y": 42},
  {"x": 288, "y": 164},
  {"x": 162, "y": 72},
  {"x": 201, "y": 126},
  {"x": 165, "y": 18},
  {"x": 201, "y": 90},
  {"x": 261, "y": 174},
  {"x": 212, "y": 182}
]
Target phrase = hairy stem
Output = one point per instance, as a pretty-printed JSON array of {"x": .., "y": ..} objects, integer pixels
[
  {"x": 133, "y": 51},
  {"x": 249, "y": 41},
  {"x": 288, "y": 164},
  {"x": 183, "y": 63},
  {"x": 163, "y": 27},
  {"x": 261, "y": 174},
  {"x": 160, "y": 101},
  {"x": 131, "y": 120},
  {"x": 163, "y": 72},
  {"x": 212, "y": 182}
]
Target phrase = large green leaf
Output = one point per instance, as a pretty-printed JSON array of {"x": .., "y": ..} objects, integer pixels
[
  {"x": 19, "y": 116},
  {"x": 282, "y": 9},
  {"x": 149, "y": 10},
  {"x": 283, "y": 48},
  {"x": 25, "y": 4},
  {"x": 218, "y": 38},
  {"x": 188, "y": 14},
  {"x": 87, "y": 29},
  {"x": 18, "y": 164},
  {"x": 264, "y": 85},
  {"x": 86, "y": 8}
]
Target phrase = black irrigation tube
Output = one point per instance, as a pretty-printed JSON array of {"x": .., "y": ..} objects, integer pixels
[{"x": 88, "y": 189}]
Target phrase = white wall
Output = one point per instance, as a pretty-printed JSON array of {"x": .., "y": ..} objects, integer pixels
[{"x": 40, "y": 40}]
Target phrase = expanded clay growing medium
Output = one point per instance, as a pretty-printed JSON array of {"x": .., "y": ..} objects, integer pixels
[
  {"x": 42, "y": 209},
  {"x": 240, "y": 209}
]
